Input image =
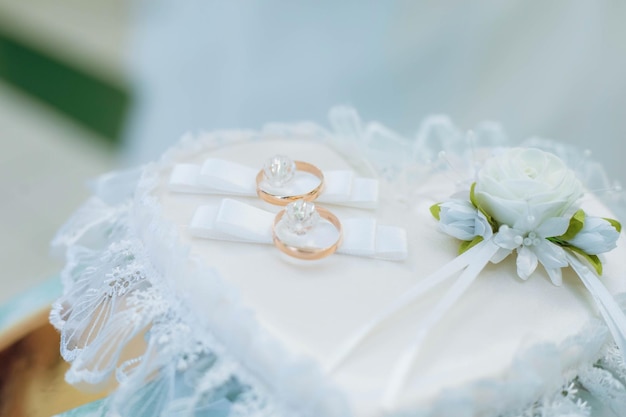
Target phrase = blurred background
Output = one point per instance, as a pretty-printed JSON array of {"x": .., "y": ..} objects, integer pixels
[{"x": 92, "y": 85}]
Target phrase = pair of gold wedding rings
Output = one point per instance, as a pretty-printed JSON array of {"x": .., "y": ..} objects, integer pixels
[{"x": 300, "y": 214}]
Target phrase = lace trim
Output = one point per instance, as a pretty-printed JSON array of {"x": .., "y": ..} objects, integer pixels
[{"x": 127, "y": 313}]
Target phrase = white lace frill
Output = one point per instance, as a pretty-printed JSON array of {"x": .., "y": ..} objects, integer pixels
[{"x": 128, "y": 316}]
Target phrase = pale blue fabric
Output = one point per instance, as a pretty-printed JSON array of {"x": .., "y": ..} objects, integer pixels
[
  {"x": 545, "y": 68},
  {"x": 29, "y": 302},
  {"x": 94, "y": 409}
]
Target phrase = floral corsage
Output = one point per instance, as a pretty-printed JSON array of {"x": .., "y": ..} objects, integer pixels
[
  {"x": 527, "y": 201},
  {"x": 523, "y": 200}
]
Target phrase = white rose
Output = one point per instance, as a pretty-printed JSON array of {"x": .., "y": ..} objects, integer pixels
[
  {"x": 526, "y": 182},
  {"x": 596, "y": 236}
]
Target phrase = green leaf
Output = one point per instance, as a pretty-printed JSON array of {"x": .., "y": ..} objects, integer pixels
[
  {"x": 492, "y": 222},
  {"x": 435, "y": 210},
  {"x": 469, "y": 244},
  {"x": 594, "y": 260},
  {"x": 576, "y": 224},
  {"x": 473, "y": 196},
  {"x": 617, "y": 225}
]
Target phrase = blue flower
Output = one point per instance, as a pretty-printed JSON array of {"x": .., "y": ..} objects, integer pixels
[
  {"x": 460, "y": 219},
  {"x": 598, "y": 235}
]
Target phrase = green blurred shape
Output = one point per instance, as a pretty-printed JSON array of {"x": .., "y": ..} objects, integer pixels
[{"x": 93, "y": 102}]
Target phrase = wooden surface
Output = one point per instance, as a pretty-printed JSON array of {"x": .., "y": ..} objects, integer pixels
[{"x": 32, "y": 374}]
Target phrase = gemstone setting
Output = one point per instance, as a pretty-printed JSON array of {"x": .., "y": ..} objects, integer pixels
[
  {"x": 279, "y": 170},
  {"x": 301, "y": 216}
]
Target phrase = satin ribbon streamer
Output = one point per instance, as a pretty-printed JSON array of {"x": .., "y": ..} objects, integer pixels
[{"x": 471, "y": 263}]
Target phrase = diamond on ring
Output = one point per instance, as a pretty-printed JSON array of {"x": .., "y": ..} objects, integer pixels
[
  {"x": 301, "y": 216},
  {"x": 279, "y": 170}
]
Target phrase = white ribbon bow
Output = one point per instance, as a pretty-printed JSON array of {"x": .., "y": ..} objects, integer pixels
[
  {"x": 236, "y": 221},
  {"x": 217, "y": 176}
]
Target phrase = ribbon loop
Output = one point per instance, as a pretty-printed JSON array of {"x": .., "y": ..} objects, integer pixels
[{"x": 218, "y": 176}]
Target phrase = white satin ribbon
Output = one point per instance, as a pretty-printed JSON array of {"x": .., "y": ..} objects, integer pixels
[
  {"x": 422, "y": 287},
  {"x": 217, "y": 176},
  {"x": 472, "y": 263},
  {"x": 236, "y": 221},
  {"x": 609, "y": 309},
  {"x": 402, "y": 369}
]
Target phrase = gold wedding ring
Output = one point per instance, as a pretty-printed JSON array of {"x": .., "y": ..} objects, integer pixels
[
  {"x": 308, "y": 253},
  {"x": 283, "y": 200}
]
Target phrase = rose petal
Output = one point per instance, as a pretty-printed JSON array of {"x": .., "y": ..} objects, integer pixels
[
  {"x": 494, "y": 186},
  {"x": 526, "y": 189},
  {"x": 503, "y": 211},
  {"x": 554, "y": 226},
  {"x": 543, "y": 211},
  {"x": 523, "y": 182}
]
